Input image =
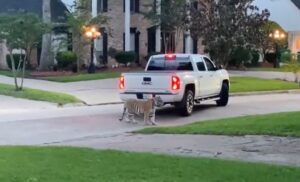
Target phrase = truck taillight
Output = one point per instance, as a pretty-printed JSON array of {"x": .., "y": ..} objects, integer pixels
[
  {"x": 175, "y": 83},
  {"x": 122, "y": 82}
]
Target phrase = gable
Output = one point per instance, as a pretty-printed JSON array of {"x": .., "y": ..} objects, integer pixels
[
  {"x": 58, "y": 9},
  {"x": 297, "y": 3}
]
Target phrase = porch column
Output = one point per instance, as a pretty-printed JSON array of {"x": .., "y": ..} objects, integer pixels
[
  {"x": 94, "y": 8},
  {"x": 158, "y": 28},
  {"x": 188, "y": 39},
  {"x": 127, "y": 25}
]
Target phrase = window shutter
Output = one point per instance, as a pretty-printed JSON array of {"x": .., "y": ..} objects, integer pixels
[
  {"x": 105, "y": 8},
  {"x": 132, "y": 4},
  {"x": 124, "y": 6},
  {"x": 137, "y": 6}
]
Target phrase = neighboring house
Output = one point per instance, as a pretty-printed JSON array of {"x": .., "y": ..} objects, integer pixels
[
  {"x": 58, "y": 13},
  {"x": 287, "y": 14},
  {"x": 133, "y": 32}
]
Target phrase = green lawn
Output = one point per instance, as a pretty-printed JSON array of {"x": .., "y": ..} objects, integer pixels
[
  {"x": 280, "y": 124},
  {"x": 249, "y": 84},
  {"x": 83, "y": 77},
  {"x": 10, "y": 74},
  {"x": 21, "y": 164},
  {"x": 38, "y": 95}
]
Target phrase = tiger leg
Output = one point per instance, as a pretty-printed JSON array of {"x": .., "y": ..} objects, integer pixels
[
  {"x": 152, "y": 117},
  {"x": 123, "y": 115}
]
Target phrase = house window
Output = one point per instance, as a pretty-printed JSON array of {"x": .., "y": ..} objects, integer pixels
[
  {"x": 101, "y": 6},
  {"x": 298, "y": 43},
  {"x": 134, "y": 6}
]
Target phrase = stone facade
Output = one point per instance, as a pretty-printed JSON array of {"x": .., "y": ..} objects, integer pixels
[{"x": 115, "y": 12}]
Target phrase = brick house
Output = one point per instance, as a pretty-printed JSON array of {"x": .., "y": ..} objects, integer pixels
[{"x": 131, "y": 31}]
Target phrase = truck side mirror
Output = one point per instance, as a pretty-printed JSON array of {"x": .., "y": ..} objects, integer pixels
[{"x": 220, "y": 67}]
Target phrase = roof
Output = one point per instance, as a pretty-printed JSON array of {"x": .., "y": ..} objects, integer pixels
[
  {"x": 297, "y": 3},
  {"x": 58, "y": 8}
]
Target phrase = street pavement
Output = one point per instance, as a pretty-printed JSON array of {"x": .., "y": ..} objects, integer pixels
[{"x": 99, "y": 127}]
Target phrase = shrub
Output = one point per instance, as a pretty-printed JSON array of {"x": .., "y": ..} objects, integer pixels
[
  {"x": 112, "y": 52},
  {"x": 270, "y": 57},
  {"x": 240, "y": 56},
  {"x": 125, "y": 57},
  {"x": 17, "y": 60},
  {"x": 66, "y": 59},
  {"x": 255, "y": 58}
]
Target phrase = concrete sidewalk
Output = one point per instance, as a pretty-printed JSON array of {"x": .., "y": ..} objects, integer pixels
[{"x": 265, "y": 74}]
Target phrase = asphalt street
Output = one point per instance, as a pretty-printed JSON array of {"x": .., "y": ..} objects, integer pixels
[{"x": 58, "y": 125}]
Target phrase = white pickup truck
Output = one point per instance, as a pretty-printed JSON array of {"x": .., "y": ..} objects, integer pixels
[{"x": 179, "y": 79}]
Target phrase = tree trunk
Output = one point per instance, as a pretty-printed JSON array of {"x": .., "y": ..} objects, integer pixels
[{"x": 45, "y": 60}]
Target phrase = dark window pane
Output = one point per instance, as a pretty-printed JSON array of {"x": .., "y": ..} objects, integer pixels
[
  {"x": 209, "y": 64},
  {"x": 180, "y": 64},
  {"x": 201, "y": 66}
]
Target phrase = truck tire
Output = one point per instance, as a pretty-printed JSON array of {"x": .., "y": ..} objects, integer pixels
[
  {"x": 186, "y": 106},
  {"x": 224, "y": 95}
]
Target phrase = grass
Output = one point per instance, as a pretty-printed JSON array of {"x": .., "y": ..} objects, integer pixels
[
  {"x": 38, "y": 95},
  {"x": 23, "y": 164},
  {"x": 83, "y": 77},
  {"x": 10, "y": 74},
  {"x": 280, "y": 124},
  {"x": 249, "y": 84}
]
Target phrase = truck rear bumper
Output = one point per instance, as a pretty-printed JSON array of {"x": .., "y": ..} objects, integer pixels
[{"x": 166, "y": 97}]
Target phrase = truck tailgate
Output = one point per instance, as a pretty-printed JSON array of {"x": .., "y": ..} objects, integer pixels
[{"x": 148, "y": 82}]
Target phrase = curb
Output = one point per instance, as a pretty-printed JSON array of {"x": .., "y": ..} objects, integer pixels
[{"x": 296, "y": 91}]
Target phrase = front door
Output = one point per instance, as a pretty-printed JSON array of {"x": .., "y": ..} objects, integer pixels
[
  {"x": 213, "y": 86},
  {"x": 151, "y": 39}
]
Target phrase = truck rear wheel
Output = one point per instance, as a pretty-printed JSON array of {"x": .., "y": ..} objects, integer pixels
[
  {"x": 224, "y": 95},
  {"x": 186, "y": 106}
]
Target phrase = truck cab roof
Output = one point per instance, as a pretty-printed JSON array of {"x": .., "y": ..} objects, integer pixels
[{"x": 180, "y": 55}]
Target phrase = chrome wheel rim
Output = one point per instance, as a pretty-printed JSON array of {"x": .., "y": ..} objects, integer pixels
[{"x": 190, "y": 103}]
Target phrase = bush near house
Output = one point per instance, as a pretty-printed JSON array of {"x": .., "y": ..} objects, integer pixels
[
  {"x": 125, "y": 57},
  {"x": 66, "y": 60},
  {"x": 17, "y": 60}
]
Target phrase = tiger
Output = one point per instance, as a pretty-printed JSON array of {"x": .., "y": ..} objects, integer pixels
[{"x": 147, "y": 107}]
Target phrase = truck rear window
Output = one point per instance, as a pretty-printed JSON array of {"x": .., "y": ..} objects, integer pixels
[{"x": 180, "y": 64}]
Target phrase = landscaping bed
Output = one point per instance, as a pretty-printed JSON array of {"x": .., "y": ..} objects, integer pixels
[
  {"x": 280, "y": 124},
  {"x": 51, "y": 164}
]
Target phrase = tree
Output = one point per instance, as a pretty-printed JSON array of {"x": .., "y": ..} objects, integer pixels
[
  {"x": 226, "y": 25},
  {"x": 173, "y": 20},
  {"x": 21, "y": 32},
  {"x": 77, "y": 21},
  {"x": 45, "y": 60},
  {"x": 266, "y": 42}
]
